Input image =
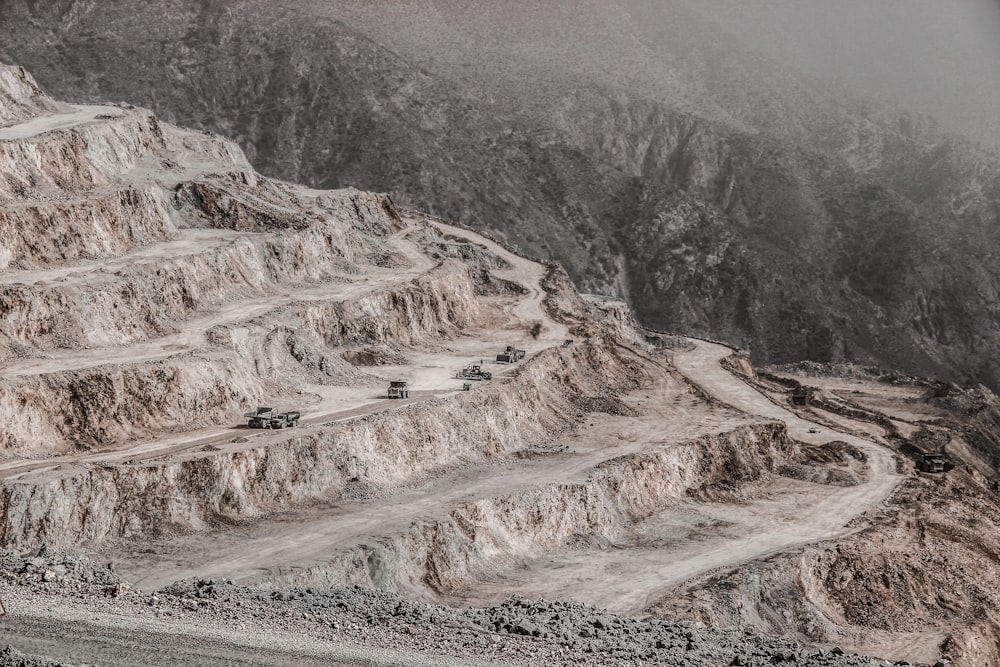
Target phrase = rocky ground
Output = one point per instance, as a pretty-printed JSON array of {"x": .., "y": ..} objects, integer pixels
[
  {"x": 375, "y": 626},
  {"x": 716, "y": 190},
  {"x": 156, "y": 288}
]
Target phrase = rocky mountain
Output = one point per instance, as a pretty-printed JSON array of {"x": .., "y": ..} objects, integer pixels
[
  {"x": 719, "y": 192},
  {"x": 158, "y": 293},
  {"x": 600, "y": 499}
]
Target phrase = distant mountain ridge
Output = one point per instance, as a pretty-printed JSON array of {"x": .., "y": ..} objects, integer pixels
[{"x": 735, "y": 198}]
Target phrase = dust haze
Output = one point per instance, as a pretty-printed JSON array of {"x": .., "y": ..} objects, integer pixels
[{"x": 934, "y": 57}]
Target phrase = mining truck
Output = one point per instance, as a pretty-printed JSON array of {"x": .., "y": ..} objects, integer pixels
[
  {"x": 474, "y": 372},
  {"x": 271, "y": 418},
  {"x": 510, "y": 355},
  {"x": 399, "y": 389},
  {"x": 931, "y": 463}
]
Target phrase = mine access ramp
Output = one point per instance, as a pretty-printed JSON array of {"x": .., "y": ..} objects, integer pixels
[
  {"x": 474, "y": 372},
  {"x": 271, "y": 418},
  {"x": 510, "y": 355}
]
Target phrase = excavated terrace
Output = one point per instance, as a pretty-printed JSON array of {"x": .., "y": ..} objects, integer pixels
[{"x": 155, "y": 288}]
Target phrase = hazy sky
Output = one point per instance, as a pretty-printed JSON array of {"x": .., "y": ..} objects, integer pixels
[{"x": 936, "y": 56}]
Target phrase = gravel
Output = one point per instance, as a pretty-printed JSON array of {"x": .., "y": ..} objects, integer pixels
[
  {"x": 11, "y": 657},
  {"x": 517, "y": 631}
]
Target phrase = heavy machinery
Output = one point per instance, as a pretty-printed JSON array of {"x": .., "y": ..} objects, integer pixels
[
  {"x": 931, "y": 463},
  {"x": 271, "y": 418},
  {"x": 510, "y": 355},
  {"x": 801, "y": 395},
  {"x": 474, "y": 372},
  {"x": 399, "y": 389}
]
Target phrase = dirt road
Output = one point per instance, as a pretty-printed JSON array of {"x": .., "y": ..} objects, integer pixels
[
  {"x": 77, "y": 633},
  {"x": 310, "y": 538},
  {"x": 687, "y": 540},
  {"x": 82, "y": 113},
  {"x": 693, "y": 538}
]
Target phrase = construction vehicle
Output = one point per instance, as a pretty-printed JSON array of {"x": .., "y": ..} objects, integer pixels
[
  {"x": 271, "y": 418},
  {"x": 510, "y": 355},
  {"x": 399, "y": 389},
  {"x": 466, "y": 386},
  {"x": 931, "y": 463},
  {"x": 801, "y": 395},
  {"x": 474, "y": 372}
]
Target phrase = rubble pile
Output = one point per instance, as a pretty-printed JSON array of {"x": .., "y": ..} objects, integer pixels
[{"x": 517, "y": 631}]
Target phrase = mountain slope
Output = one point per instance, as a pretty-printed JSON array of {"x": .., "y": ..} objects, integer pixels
[
  {"x": 719, "y": 192},
  {"x": 155, "y": 288}
]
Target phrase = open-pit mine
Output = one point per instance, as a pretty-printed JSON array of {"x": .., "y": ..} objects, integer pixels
[{"x": 616, "y": 496}]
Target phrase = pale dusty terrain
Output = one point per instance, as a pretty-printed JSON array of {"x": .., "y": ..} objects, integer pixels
[{"x": 612, "y": 466}]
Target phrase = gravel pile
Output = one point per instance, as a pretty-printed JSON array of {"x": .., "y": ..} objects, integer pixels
[
  {"x": 517, "y": 631},
  {"x": 78, "y": 572},
  {"x": 628, "y": 640},
  {"x": 11, "y": 657},
  {"x": 559, "y": 632}
]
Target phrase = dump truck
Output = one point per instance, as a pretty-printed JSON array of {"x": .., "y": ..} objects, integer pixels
[
  {"x": 931, "y": 463},
  {"x": 801, "y": 395},
  {"x": 271, "y": 418},
  {"x": 474, "y": 372},
  {"x": 399, "y": 389},
  {"x": 510, "y": 355}
]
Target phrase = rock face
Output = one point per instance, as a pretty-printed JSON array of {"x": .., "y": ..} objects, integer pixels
[
  {"x": 718, "y": 192},
  {"x": 478, "y": 537},
  {"x": 156, "y": 288},
  {"x": 21, "y": 98}
]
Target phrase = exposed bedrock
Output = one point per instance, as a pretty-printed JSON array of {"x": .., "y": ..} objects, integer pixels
[
  {"x": 481, "y": 538},
  {"x": 143, "y": 500},
  {"x": 103, "y": 224},
  {"x": 146, "y": 298},
  {"x": 20, "y": 96},
  {"x": 228, "y": 369}
]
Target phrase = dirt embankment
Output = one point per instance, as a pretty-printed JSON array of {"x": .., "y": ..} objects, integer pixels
[
  {"x": 916, "y": 582},
  {"x": 478, "y": 538},
  {"x": 86, "y": 229},
  {"x": 920, "y": 585},
  {"x": 390, "y": 448}
]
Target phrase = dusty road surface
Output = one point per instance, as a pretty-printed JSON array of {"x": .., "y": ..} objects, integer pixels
[
  {"x": 687, "y": 539},
  {"x": 692, "y": 538},
  {"x": 310, "y": 538},
  {"x": 81, "y": 114},
  {"x": 81, "y": 634}
]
